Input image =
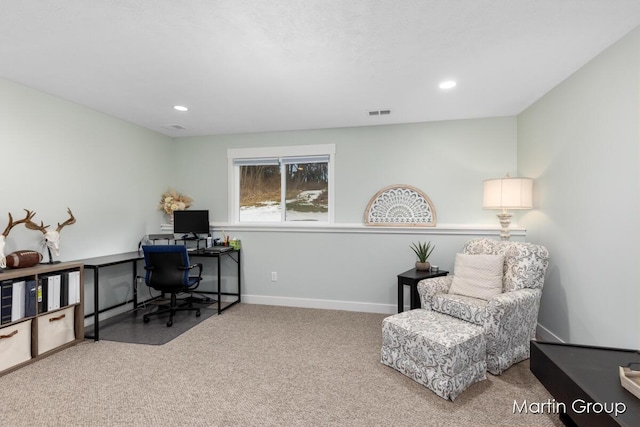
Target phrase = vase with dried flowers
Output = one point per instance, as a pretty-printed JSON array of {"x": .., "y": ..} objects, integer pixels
[{"x": 172, "y": 201}]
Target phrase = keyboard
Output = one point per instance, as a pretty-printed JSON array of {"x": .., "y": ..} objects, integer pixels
[{"x": 216, "y": 249}]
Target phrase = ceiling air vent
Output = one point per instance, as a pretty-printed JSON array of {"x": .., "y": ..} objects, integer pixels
[
  {"x": 379, "y": 112},
  {"x": 174, "y": 127}
]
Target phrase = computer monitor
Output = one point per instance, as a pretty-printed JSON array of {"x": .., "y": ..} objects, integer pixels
[{"x": 194, "y": 222}]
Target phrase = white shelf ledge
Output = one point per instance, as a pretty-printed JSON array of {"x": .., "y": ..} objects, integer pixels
[{"x": 444, "y": 229}]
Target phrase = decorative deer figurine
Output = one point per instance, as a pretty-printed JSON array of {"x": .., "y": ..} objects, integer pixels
[
  {"x": 5, "y": 233},
  {"x": 51, "y": 237}
]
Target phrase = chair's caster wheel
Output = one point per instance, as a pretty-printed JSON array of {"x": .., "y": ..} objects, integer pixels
[
  {"x": 145, "y": 319},
  {"x": 169, "y": 323},
  {"x": 198, "y": 313}
]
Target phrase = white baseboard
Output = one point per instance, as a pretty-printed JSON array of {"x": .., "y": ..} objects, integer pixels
[
  {"x": 324, "y": 304},
  {"x": 546, "y": 335},
  {"x": 543, "y": 333}
]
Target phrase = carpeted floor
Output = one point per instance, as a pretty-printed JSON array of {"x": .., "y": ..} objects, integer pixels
[{"x": 254, "y": 365}]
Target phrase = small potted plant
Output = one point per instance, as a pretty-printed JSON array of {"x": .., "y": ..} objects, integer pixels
[{"x": 423, "y": 251}]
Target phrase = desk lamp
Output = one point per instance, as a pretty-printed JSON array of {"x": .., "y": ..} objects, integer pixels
[{"x": 507, "y": 193}]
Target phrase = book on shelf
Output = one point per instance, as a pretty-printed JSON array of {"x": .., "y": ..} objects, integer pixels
[
  {"x": 64, "y": 289},
  {"x": 53, "y": 292},
  {"x": 6, "y": 297},
  {"x": 73, "y": 279},
  {"x": 18, "y": 303},
  {"x": 30, "y": 298},
  {"x": 41, "y": 296}
]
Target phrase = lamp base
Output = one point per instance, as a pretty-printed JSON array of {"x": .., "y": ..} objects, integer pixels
[{"x": 505, "y": 222}]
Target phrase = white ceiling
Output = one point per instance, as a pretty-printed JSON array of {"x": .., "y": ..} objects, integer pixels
[{"x": 255, "y": 66}]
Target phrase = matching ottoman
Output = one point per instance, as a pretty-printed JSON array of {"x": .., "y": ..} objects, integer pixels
[{"x": 440, "y": 352}]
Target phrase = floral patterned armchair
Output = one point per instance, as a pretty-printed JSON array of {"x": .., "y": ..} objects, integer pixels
[{"x": 509, "y": 319}]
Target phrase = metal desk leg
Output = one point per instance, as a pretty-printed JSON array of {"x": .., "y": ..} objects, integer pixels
[
  {"x": 219, "y": 286},
  {"x": 135, "y": 284},
  {"x": 239, "y": 290},
  {"x": 96, "y": 305}
]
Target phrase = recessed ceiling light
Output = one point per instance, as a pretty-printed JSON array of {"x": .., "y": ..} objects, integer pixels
[
  {"x": 447, "y": 84},
  {"x": 180, "y": 108}
]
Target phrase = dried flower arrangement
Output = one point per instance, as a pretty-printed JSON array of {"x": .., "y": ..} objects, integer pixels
[{"x": 172, "y": 201}]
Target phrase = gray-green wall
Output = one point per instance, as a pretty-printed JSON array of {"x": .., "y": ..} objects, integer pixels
[
  {"x": 447, "y": 160},
  {"x": 580, "y": 144},
  {"x": 56, "y": 154},
  {"x": 348, "y": 266}
]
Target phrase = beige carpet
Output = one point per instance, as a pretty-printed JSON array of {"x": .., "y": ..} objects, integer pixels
[{"x": 254, "y": 366}]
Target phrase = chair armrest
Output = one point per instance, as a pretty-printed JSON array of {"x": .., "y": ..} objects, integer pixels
[
  {"x": 199, "y": 267},
  {"x": 512, "y": 318},
  {"x": 427, "y": 288}
]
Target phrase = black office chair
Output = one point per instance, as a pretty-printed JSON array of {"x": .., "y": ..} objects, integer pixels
[{"x": 167, "y": 270}]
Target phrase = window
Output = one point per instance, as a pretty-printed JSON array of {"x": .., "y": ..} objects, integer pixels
[{"x": 281, "y": 184}]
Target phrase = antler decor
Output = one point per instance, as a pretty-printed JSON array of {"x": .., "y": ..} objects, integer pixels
[
  {"x": 5, "y": 233},
  {"x": 71, "y": 220},
  {"x": 51, "y": 237}
]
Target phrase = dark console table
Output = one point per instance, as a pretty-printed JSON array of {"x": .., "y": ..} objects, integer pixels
[
  {"x": 574, "y": 373},
  {"x": 411, "y": 278}
]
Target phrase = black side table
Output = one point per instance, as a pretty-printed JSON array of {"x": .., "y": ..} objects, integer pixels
[{"x": 411, "y": 278}]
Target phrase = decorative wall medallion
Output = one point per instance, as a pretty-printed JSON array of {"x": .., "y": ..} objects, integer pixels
[{"x": 401, "y": 206}]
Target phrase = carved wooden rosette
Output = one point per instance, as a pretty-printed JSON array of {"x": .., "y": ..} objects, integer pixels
[{"x": 400, "y": 206}]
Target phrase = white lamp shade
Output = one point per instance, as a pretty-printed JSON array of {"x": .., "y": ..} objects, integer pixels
[{"x": 508, "y": 193}]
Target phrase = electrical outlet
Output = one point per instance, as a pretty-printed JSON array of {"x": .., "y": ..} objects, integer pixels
[{"x": 274, "y": 276}]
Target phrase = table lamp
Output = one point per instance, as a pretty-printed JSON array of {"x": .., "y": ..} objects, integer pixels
[{"x": 507, "y": 193}]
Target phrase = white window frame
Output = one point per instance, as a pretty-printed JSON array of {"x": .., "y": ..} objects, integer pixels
[{"x": 234, "y": 154}]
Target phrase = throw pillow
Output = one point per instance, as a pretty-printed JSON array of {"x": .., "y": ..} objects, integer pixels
[{"x": 477, "y": 276}]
